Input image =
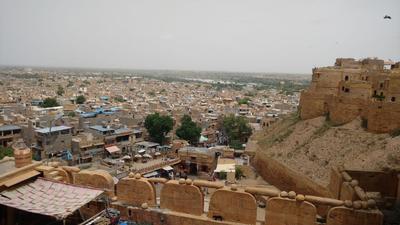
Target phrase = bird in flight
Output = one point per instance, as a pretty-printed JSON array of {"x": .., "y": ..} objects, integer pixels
[{"x": 387, "y": 17}]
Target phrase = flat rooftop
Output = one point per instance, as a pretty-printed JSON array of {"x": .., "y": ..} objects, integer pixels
[
  {"x": 101, "y": 128},
  {"x": 53, "y": 129},
  {"x": 9, "y": 127}
]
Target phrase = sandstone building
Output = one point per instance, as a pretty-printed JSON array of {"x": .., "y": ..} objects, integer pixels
[{"x": 369, "y": 88}]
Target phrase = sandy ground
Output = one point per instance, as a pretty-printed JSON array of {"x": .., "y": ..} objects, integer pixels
[{"x": 313, "y": 147}]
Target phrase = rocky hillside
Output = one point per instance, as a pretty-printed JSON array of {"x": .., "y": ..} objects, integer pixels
[{"x": 313, "y": 146}]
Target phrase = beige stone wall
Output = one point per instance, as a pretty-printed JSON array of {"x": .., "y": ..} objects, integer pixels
[
  {"x": 383, "y": 117},
  {"x": 97, "y": 179},
  {"x": 286, "y": 179},
  {"x": 128, "y": 188},
  {"x": 347, "y": 192},
  {"x": 312, "y": 105},
  {"x": 282, "y": 211},
  {"x": 182, "y": 203},
  {"x": 345, "y": 109},
  {"x": 157, "y": 217},
  {"x": 182, "y": 197},
  {"x": 352, "y": 84},
  {"x": 335, "y": 183},
  {"x": 234, "y": 206},
  {"x": 342, "y": 216}
]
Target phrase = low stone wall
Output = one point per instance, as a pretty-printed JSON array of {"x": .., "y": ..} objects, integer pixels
[
  {"x": 285, "y": 178},
  {"x": 182, "y": 202}
]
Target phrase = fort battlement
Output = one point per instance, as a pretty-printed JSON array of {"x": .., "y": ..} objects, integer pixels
[
  {"x": 183, "y": 201},
  {"x": 369, "y": 88}
]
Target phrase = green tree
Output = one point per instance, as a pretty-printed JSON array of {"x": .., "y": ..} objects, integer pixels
[
  {"x": 237, "y": 129},
  {"x": 49, "y": 102},
  {"x": 119, "y": 99},
  {"x": 80, "y": 99},
  {"x": 238, "y": 172},
  {"x": 60, "y": 90},
  {"x": 188, "y": 130},
  {"x": 158, "y": 126},
  {"x": 243, "y": 101},
  {"x": 6, "y": 151}
]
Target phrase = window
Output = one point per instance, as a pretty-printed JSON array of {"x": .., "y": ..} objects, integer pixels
[
  {"x": 381, "y": 93},
  {"x": 366, "y": 78},
  {"x": 342, "y": 88},
  {"x": 381, "y": 85},
  {"x": 346, "y": 90},
  {"x": 346, "y": 78},
  {"x": 375, "y": 92},
  {"x": 393, "y": 99}
]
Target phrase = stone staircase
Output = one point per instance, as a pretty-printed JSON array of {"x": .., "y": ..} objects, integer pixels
[{"x": 52, "y": 173}]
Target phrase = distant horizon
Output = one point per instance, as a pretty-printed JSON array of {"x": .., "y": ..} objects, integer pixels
[
  {"x": 139, "y": 69},
  {"x": 289, "y": 37}
]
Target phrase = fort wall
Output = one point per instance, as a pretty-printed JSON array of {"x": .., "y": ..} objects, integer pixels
[
  {"x": 285, "y": 178},
  {"x": 355, "y": 88},
  {"x": 234, "y": 205},
  {"x": 312, "y": 105}
]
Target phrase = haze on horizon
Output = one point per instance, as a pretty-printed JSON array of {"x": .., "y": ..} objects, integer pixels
[{"x": 226, "y": 35}]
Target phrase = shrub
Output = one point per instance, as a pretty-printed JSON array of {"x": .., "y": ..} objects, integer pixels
[
  {"x": 80, "y": 99},
  {"x": 238, "y": 172},
  {"x": 223, "y": 175},
  {"x": 49, "y": 102},
  {"x": 6, "y": 151}
]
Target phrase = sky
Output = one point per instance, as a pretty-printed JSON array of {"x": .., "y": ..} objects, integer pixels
[{"x": 218, "y": 35}]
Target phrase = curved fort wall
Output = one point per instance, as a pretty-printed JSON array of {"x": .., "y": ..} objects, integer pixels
[{"x": 182, "y": 202}]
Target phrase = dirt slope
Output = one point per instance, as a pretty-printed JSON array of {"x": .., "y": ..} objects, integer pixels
[{"x": 313, "y": 146}]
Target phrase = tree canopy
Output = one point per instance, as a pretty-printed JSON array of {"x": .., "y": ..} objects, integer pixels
[
  {"x": 60, "y": 90},
  {"x": 158, "y": 126},
  {"x": 189, "y": 130},
  {"x": 237, "y": 129},
  {"x": 49, "y": 102},
  {"x": 80, "y": 99},
  {"x": 6, "y": 151}
]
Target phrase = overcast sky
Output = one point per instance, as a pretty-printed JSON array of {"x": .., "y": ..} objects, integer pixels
[{"x": 229, "y": 35}]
